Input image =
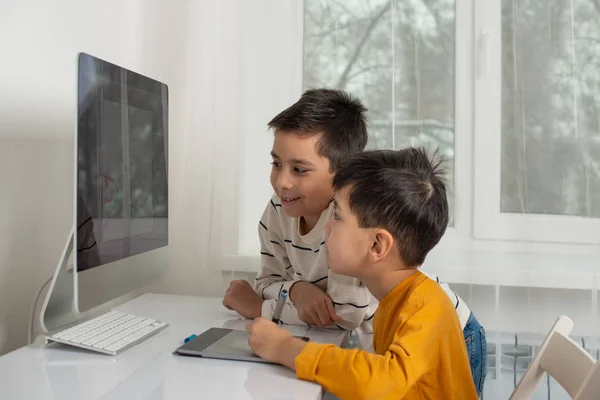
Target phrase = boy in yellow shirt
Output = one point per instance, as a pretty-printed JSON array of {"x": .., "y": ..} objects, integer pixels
[{"x": 390, "y": 211}]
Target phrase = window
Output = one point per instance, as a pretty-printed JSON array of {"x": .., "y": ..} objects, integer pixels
[
  {"x": 551, "y": 108},
  {"x": 398, "y": 58},
  {"x": 506, "y": 90},
  {"x": 539, "y": 158}
]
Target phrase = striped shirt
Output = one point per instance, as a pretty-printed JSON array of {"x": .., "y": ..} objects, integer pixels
[
  {"x": 460, "y": 306},
  {"x": 287, "y": 256}
]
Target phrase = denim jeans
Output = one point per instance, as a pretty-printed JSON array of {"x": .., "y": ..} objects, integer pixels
[{"x": 476, "y": 342}]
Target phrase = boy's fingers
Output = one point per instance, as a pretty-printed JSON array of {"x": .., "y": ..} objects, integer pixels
[
  {"x": 313, "y": 320},
  {"x": 331, "y": 310},
  {"x": 323, "y": 316},
  {"x": 302, "y": 316},
  {"x": 314, "y": 314},
  {"x": 310, "y": 319}
]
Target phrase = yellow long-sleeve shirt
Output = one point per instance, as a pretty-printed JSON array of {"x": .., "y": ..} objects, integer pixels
[{"x": 421, "y": 352}]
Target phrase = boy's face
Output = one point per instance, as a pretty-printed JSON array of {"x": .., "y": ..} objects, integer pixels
[
  {"x": 347, "y": 244},
  {"x": 300, "y": 176}
]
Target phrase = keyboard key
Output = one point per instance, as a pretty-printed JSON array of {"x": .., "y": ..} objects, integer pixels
[
  {"x": 105, "y": 342},
  {"x": 91, "y": 341},
  {"x": 117, "y": 345},
  {"x": 136, "y": 335}
]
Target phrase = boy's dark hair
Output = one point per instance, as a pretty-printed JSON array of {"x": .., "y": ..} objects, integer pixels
[
  {"x": 401, "y": 191},
  {"x": 338, "y": 115}
]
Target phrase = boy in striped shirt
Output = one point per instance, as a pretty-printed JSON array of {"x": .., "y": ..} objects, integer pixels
[{"x": 311, "y": 139}]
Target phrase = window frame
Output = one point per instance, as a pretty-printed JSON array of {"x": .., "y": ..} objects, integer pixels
[{"x": 489, "y": 221}]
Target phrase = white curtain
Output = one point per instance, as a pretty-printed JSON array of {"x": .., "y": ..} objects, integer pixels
[{"x": 245, "y": 66}]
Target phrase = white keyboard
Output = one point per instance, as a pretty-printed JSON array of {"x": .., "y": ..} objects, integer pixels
[{"x": 108, "y": 333}]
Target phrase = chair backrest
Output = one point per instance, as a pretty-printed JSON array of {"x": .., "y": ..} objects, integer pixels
[
  {"x": 591, "y": 388},
  {"x": 567, "y": 362}
]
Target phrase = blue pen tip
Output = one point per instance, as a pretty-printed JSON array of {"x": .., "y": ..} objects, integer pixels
[{"x": 187, "y": 339}]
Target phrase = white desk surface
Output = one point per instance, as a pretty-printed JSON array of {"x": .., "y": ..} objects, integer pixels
[{"x": 150, "y": 370}]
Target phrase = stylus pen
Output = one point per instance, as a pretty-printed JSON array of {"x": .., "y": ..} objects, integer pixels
[{"x": 280, "y": 304}]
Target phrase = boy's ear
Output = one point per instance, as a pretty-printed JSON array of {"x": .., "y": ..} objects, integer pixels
[{"x": 382, "y": 245}]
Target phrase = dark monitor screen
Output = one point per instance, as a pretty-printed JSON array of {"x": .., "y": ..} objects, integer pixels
[{"x": 122, "y": 160}]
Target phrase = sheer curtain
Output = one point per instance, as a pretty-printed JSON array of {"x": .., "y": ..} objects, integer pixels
[{"x": 244, "y": 66}]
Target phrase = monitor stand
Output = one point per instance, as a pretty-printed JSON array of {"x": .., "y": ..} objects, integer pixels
[{"x": 58, "y": 308}]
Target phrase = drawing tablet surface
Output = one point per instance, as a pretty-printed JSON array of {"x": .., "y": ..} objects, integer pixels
[{"x": 226, "y": 344}]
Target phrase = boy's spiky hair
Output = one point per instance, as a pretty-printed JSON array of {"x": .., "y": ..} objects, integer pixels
[
  {"x": 402, "y": 192},
  {"x": 335, "y": 114}
]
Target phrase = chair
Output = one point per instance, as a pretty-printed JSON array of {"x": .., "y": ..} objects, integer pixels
[{"x": 567, "y": 362}]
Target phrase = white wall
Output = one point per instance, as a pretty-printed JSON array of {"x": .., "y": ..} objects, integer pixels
[
  {"x": 39, "y": 42},
  {"x": 197, "y": 48}
]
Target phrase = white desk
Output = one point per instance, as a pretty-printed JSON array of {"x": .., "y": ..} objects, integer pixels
[{"x": 150, "y": 370}]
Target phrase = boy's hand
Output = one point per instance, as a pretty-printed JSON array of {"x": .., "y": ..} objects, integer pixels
[
  {"x": 241, "y": 297},
  {"x": 272, "y": 343},
  {"x": 313, "y": 305}
]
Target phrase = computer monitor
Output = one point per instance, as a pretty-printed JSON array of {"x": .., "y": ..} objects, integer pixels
[
  {"x": 122, "y": 196},
  {"x": 120, "y": 234}
]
